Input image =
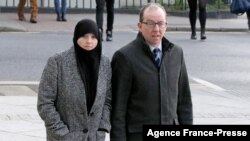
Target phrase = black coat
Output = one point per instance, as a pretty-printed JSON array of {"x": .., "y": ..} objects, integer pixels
[{"x": 144, "y": 94}]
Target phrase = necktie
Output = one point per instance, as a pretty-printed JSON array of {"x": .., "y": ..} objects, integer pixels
[{"x": 157, "y": 56}]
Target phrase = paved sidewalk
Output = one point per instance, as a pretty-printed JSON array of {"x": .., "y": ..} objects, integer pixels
[
  {"x": 127, "y": 22},
  {"x": 19, "y": 120}
]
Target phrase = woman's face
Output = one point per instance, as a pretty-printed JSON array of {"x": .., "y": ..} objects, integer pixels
[{"x": 87, "y": 41}]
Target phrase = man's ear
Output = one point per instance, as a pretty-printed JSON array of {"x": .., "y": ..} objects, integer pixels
[{"x": 139, "y": 25}]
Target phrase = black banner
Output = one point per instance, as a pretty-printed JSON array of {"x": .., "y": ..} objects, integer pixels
[{"x": 162, "y": 132}]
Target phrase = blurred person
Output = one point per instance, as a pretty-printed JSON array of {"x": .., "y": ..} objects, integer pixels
[
  {"x": 60, "y": 9},
  {"x": 74, "y": 97},
  {"x": 248, "y": 19},
  {"x": 202, "y": 17},
  {"x": 110, "y": 17},
  {"x": 33, "y": 11},
  {"x": 149, "y": 80}
]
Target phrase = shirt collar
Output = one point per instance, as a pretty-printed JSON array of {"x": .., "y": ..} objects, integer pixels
[{"x": 153, "y": 47}]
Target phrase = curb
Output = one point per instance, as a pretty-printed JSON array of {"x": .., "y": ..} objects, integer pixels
[
  {"x": 211, "y": 29},
  {"x": 11, "y": 29}
]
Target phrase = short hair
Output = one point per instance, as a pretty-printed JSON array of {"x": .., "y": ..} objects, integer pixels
[{"x": 150, "y": 5}]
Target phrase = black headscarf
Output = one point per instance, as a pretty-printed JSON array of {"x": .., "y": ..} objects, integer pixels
[{"x": 88, "y": 61}]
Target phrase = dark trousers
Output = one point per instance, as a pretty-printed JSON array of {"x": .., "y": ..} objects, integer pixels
[
  {"x": 202, "y": 13},
  {"x": 110, "y": 13},
  {"x": 248, "y": 18}
]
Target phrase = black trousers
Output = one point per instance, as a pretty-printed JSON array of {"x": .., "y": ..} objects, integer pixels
[
  {"x": 248, "y": 13},
  {"x": 202, "y": 13},
  {"x": 248, "y": 18},
  {"x": 110, "y": 13}
]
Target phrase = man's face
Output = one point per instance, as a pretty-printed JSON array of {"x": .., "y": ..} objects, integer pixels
[{"x": 153, "y": 26}]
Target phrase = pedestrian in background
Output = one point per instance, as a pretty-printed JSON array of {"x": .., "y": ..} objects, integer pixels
[
  {"x": 202, "y": 17},
  {"x": 248, "y": 19},
  {"x": 110, "y": 17},
  {"x": 60, "y": 8},
  {"x": 74, "y": 97},
  {"x": 33, "y": 11},
  {"x": 149, "y": 80}
]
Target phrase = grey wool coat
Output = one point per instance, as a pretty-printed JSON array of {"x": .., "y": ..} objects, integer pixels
[{"x": 62, "y": 102}]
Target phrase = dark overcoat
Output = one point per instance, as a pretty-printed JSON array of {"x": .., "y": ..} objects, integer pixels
[{"x": 144, "y": 94}]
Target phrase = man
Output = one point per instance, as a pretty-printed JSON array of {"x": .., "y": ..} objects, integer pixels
[
  {"x": 33, "y": 10},
  {"x": 149, "y": 87},
  {"x": 110, "y": 17}
]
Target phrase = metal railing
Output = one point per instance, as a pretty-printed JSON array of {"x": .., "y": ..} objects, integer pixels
[{"x": 119, "y": 4}]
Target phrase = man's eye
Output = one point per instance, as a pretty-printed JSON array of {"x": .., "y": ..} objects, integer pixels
[{"x": 161, "y": 23}]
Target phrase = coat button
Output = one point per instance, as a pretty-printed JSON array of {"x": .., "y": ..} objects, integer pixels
[
  {"x": 85, "y": 130},
  {"x": 91, "y": 114}
]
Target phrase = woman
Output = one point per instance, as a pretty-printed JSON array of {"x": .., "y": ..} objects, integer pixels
[
  {"x": 60, "y": 8},
  {"x": 74, "y": 97},
  {"x": 202, "y": 17}
]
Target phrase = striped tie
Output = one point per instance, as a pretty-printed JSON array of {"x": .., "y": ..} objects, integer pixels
[{"x": 157, "y": 56}]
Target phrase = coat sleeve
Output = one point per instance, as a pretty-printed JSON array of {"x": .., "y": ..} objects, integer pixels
[
  {"x": 185, "y": 108},
  {"x": 47, "y": 97},
  {"x": 121, "y": 87},
  {"x": 105, "y": 120}
]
